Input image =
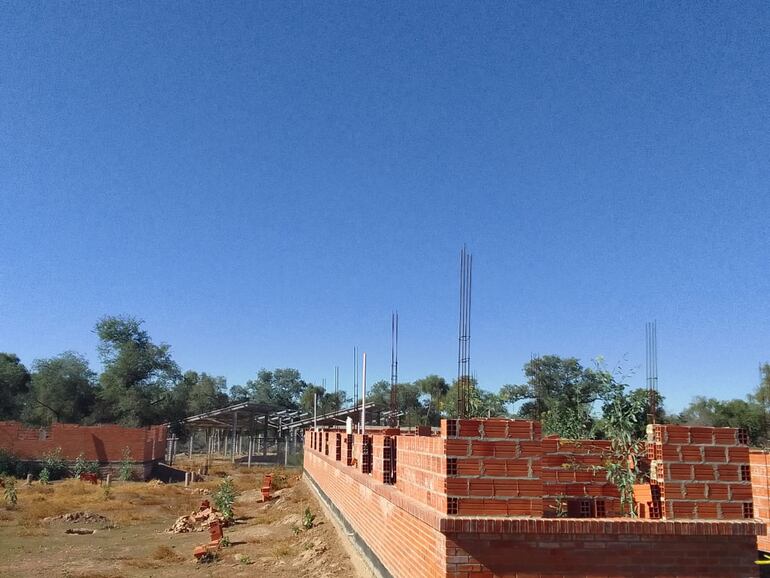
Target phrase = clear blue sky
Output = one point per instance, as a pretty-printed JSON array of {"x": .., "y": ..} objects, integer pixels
[{"x": 264, "y": 183}]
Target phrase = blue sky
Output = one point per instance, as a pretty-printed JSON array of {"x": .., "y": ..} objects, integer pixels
[{"x": 264, "y": 183}]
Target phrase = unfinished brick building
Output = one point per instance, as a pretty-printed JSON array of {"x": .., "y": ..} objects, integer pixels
[
  {"x": 492, "y": 497},
  {"x": 101, "y": 443}
]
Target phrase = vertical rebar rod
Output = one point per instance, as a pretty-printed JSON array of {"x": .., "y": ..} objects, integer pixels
[{"x": 464, "y": 379}]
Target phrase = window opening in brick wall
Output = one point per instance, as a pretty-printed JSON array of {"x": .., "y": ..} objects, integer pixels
[
  {"x": 350, "y": 450},
  {"x": 451, "y": 466},
  {"x": 366, "y": 455},
  {"x": 452, "y": 505},
  {"x": 326, "y": 443},
  {"x": 451, "y": 428},
  {"x": 743, "y": 436},
  {"x": 601, "y": 510},
  {"x": 748, "y": 510},
  {"x": 745, "y": 473},
  {"x": 338, "y": 448}
]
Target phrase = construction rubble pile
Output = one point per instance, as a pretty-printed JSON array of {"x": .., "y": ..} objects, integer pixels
[{"x": 198, "y": 521}]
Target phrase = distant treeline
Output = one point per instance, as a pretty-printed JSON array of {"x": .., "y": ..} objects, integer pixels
[{"x": 142, "y": 385}]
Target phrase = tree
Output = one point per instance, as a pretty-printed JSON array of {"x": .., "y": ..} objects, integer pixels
[
  {"x": 281, "y": 387},
  {"x": 731, "y": 413},
  {"x": 327, "y": 402},
  {"x": 138, "y": 375},
  {"x": 482, "y": 403},
  {"x": 435, "y": 388},
  {"x": 560, "y": 393},
  {"x": 14, "y": 385},
  {"x": 200, "y": 392},
  {"x": 62, "y": 389},
  {"x": 407, "y": 400}
]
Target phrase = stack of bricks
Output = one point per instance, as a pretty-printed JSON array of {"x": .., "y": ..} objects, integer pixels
[
  {"x": 493, "y": 467},
  {"x": 702, "y": 472},
  {"x": 573, "y": 484},
  {"x": 760, "y": 484}
]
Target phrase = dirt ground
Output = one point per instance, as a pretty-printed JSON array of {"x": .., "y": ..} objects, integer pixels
[{"x": 268, "y": 538}]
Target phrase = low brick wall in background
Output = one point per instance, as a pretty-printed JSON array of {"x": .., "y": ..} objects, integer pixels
[
  {"x": 415, "y": 527},
  {"x": 102, "y": 443}
]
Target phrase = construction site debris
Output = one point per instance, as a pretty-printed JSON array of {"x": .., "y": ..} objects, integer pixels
[
  {"x": 80, "y": 518},
  {"x": 198, "y": 521}
]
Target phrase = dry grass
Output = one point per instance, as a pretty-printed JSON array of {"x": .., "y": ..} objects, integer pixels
[
  {"x": 282, "y": 551},
  {"x": 165, "y": 553}
]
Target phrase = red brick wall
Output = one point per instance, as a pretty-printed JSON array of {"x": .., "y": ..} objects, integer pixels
[
  {"x": 703, "y": 472},
  {"x": 103, "y": 443},
  {"x": 600, "y": 556},
  {"x": 567, "y": 471},
  {"x": 407, "y": 546},
  {"x": 413, "y": 540}
]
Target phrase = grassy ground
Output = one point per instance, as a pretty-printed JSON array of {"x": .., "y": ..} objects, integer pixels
[{"x": 268, "y": 539}]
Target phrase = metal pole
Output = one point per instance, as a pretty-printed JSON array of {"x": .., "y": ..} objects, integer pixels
[
  {"x": 286, "y": 453},
  {"x": 192, "y": 434},
  {"x": 235, "y": 429},
  {"x": 251, "y": 448},
  {"x": 363, "y": 395},
  {"x": 315, "y": 410}
]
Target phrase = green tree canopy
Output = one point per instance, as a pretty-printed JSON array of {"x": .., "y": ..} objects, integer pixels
[
  {"x": 483, "y": 403},
  {"x": 435, "y": 388},
  {"x": 138, "y": 374},
  {"x": 62, "y": 389},
  {"x": 560, "y": 393},
  {"x": 14, "y": 385},
  {"x": 281, "y": 387}
]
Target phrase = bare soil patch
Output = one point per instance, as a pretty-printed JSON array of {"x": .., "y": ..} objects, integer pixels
[{"x": 129, "y": 524}]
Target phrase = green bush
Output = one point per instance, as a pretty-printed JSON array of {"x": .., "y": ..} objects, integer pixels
[
  {"x": 126, "y": 471},
  {"x": 45, "y": 476},
  {"x": 10, "y": 492},
  {"x": 83, "y": 466},
  {"x": 224, "y": 498},
  {"x": 55, "y": 464}
]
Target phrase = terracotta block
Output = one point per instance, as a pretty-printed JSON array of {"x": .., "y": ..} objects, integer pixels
[
  {"x": 704, "y": 472},
  {"x": 738, "y": 455},
  {"x": 728, "y": 473},
  {"x": 506, "y": 449},
  {"x": 740, "y": 492},
  {"x": 717, "y": 491},
  {"x": 702, "y": 435},
  {"x": 680, "y": 472},
  {"x": 530, "y": 449},
  {"x": 482, "y": 448},
  {"x": 676, "y": 434},
  {"x": 726, "y": 436},
  {"x": 715, "y": 454},
  {"x": 468, "y": 428},
  {"x": 692, "y": 454}
]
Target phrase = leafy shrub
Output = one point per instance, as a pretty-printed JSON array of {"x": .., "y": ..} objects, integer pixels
[
  {"x": 83, "y": 466},
  {"x": 10, "y": 492},
  {"x": 224, "y": 498},
  {"x": 126, "y": 471},
  {"x": 308, "y": 520},
  {"x": 45, "y": 476},
  {"x": 55, "y": 464}
]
